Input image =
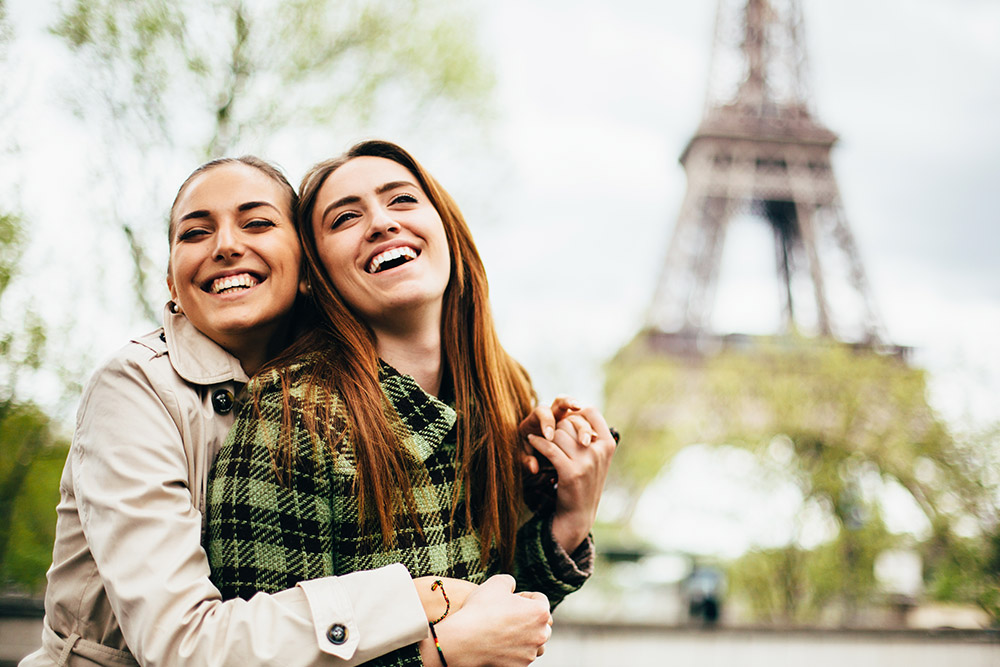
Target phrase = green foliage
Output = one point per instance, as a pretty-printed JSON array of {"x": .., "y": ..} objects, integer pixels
[
  {"x": 842, "y": 422},
  {"x": 22, "y": 346},
  {"x": 30, "y": 467},
  {"x": 966, "y": 568},
  {"x": 11, "y": 247},
  {"x": 795, "y": 585}
]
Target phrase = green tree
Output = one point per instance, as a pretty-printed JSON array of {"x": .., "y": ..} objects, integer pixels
[
  {"x": 166, "y": 82},
  {"x": 29, "y": 490},
  {"x": 843, "y": 422},
  {"x": 31, "y": 455},
  {"x": 966, "y": 567}
]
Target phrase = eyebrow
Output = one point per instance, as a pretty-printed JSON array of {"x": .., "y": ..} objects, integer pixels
[
  {"x": 354, "y": 199},
  {"x": 248, "y": 206}
]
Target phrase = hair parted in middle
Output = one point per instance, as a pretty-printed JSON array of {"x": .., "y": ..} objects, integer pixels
[{"x": 492, "y": 392}]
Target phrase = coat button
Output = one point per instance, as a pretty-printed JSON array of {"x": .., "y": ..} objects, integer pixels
[
  {"x": 222, "y": 401},
  {"x": 337, "y": 634}
]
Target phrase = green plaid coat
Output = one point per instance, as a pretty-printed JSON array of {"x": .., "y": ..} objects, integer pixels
[{"x": 262, "y": 535}]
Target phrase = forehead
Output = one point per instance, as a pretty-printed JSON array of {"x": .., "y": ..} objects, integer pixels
[
  {"x": 226, "y": 186},
  {"x": 363, "y": 174}
]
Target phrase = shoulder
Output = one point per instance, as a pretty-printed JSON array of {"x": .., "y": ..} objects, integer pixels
[
  {"x": 141, "y": 361},
  {"x": 134, "y": 394}
]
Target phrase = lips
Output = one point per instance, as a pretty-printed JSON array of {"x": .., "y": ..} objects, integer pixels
[
  {"x": 391, "y": 258},
  {"x": 232, "y": 283}
]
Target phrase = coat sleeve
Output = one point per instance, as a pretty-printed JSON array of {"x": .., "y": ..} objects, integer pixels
[
  {"x": 542, "y": 565},
  {"x": 144, "y": 532}
]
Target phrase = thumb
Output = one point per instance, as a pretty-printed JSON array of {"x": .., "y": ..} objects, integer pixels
[{"x": 500, "y": 582}]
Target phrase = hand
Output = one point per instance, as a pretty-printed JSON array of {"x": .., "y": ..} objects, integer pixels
[
  {"x": 582, "y": 470},
  {"x": 434, "y": 602},
  {"x": 495, "y": 627},
  {"x": 542, "y": 422}
]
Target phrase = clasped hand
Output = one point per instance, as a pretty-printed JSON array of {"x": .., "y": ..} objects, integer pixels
[{"x": 578, "y": 444}]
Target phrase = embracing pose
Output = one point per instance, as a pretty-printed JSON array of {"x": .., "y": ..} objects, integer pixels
[
  {"x": 129, "y": 582},
  {"x": 388, "y": 433}
]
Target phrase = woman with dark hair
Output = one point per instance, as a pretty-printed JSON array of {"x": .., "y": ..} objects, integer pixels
[
  {"x": 129, "y": 582},
  {"x": 388, "y": 433}
]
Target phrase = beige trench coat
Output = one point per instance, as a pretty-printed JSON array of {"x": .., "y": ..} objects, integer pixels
[{"x": 129, "y": 581}]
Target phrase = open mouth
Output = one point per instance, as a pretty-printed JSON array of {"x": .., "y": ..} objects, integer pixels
[
  {"x": 232, "y": 284},
  {"x": 390, "y": 259}
]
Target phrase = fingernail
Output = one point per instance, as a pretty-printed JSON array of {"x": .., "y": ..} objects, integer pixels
[{"x": 549, "y": 432}]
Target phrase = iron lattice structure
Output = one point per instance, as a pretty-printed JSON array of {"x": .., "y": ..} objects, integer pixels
[
  {"x": 760, "y": 152},
  {"x": 825, "y": 409}
]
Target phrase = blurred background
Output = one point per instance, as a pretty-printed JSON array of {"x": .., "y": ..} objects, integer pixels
[{"x": 772, "y": 476}]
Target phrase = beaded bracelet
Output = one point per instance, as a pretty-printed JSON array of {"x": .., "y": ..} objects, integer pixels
[
  {"x": 437, "y": 645},
  {"x": 447, "y": 603}
]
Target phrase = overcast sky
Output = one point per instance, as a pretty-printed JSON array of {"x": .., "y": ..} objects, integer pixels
[
  {"x": 599, "y": 99},
  {"x": 574, "y": 190}
]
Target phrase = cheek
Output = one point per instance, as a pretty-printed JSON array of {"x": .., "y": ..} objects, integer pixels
[
  {"x": 335, "y": 261},
  {"x": 178, "y": 270}
]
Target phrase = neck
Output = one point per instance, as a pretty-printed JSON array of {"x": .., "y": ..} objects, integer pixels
[
  {"x": 255, "y": 351},
  {"x": 417, "y": 354}
]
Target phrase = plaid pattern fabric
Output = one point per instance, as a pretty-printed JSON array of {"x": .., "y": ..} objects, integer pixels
[{"x": 263, "y": 535}]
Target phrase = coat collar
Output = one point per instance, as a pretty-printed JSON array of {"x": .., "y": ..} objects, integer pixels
[
  {"x": 430, "y": 421},
  {"x": 196, "y": 357}
]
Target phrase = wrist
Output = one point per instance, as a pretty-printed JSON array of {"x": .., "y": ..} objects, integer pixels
[
  {"x": 442, "y": 644},
  {"x": 570, "y": 529},
  {"x": 432, "y": 598}
]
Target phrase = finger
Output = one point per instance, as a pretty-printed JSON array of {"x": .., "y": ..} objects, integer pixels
[
  {"x": 503, "y": 582},
  {"x": 540, "y": 421},
  {"x": 568, "y": 440},
  {"x": 563, "y": 405},
  {"x": 584, "y": 433},
  {"x": 548, "y": 636},
  {"x": 597, "y": 423},
  {"x": 553, "y": 451},
  {"x": 530, "y": 463},
  {"x": 535, "y": 595}
]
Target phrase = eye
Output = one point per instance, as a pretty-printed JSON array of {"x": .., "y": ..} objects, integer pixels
[
  {"x": 259, "y": 223},
  {"x": 343, "y": 218},
  {"x": 192, "y": 234},
  {"x": 403, "y": 198}
]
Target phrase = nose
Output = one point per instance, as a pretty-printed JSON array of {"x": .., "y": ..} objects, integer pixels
[
  {"x": 381, "y": 224},
  {"x": 228, "y": 242}
]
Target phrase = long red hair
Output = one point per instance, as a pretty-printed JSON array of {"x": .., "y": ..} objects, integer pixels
[{"x": 492, "y": 391}]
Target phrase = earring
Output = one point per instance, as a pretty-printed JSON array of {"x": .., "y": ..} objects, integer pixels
[{"x": 174, "y": 308}]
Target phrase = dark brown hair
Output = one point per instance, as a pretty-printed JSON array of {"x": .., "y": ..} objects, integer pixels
[{"x": 492, "y": 392}]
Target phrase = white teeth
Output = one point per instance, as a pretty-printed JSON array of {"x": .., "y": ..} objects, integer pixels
[
  {"x": 394, "y": 253},
  {"x": 241, "y": 281}
]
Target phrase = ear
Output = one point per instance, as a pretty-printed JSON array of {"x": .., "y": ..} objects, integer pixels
[
  {"x": 305, "y": 289},
  {"x": 171, "y": 288}
]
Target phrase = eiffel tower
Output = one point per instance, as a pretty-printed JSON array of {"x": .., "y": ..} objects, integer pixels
[
  {"x": 826, "y": 399},
  {"x": 760, "y": 152}
]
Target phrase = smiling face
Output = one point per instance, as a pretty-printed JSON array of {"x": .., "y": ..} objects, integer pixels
[
  {"x": 234, "y": 257},
  {"x": 382, "y": 242}
]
